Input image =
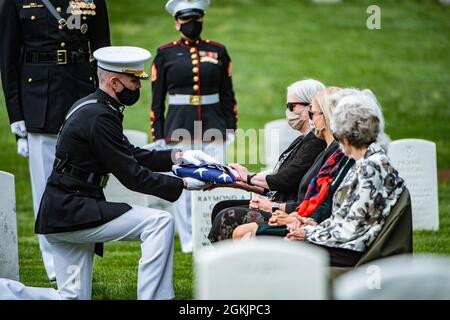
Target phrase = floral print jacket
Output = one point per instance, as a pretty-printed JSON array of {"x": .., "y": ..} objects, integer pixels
[{"x": 361, "y": 203}]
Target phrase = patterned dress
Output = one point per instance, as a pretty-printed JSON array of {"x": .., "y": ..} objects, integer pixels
[{"x": 361, "y": 204}]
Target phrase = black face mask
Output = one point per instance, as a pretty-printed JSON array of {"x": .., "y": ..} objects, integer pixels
[
  {"x": 192, "y": 29},
  {"x": 128, "y": 97}
]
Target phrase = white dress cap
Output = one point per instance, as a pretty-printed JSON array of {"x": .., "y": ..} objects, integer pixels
[
  {"x": 175, "y": 6},
  {"x": 128, "y": 60}
]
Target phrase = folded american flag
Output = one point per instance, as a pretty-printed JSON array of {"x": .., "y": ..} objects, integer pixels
[{"x": 209, "y": 172}]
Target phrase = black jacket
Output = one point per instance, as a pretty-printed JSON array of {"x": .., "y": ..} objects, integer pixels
[
  {"x": 311, "y": 173},
  {"x": 298, "y": 159},
  {"x": 192, "y": 68},
  {"x": 92, "y": 139},
  {"x": 42, "y": 93}
]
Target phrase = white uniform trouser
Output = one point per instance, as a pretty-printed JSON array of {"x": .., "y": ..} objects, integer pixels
[
  {"x": 182, "y": 207},
  {"x": 74, "y": 256},
  {"x": 42, "y": 156}
]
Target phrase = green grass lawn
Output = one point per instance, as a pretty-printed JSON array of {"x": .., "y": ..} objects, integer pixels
[{"x": 272, "y": 44}]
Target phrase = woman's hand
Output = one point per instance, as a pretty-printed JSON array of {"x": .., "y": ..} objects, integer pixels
[
  {"x": 273, "y": 221},
  {"x": 241, "y": 170},
  {"x": 294, "y": 226},
  {"x": 281, "y": 218},
  {"x": 258, "y": 203},
  {"x": 298, "y": 234},
  {"x": 308, "y": 221}
]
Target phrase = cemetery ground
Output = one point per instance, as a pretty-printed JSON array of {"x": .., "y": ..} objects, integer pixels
[{"x": 272, "y": 44}]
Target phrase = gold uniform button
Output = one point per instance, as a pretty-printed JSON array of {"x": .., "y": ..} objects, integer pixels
[
  {"x": 194, "y": 69},
  {"x": 58, "y": 9},
  {"x": 60, "y": 27},
  {"x": 29, "y": 80},
  {"x": 33, "y": 17},
  {"x": 194, "y": 62},
  {"x": 192, "y": 50},
  {"x": 63, "y": 44},
  {"x": 90, "y": 78},
  {"x": 195, "y": 87},
  {"x": 195, "y": 79},
  {"x": 84, "y": 18},
  {"x": 194, "y": 56}
]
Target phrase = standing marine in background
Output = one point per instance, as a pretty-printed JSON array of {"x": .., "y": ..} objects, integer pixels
[{"x": 195, "y": 77}]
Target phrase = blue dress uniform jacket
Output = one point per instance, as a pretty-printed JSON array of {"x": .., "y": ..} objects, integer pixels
[
  {"x": 202, "y": 67},
  {"x": 92, "y": 139},
  {"x": 41, "y": 83}
]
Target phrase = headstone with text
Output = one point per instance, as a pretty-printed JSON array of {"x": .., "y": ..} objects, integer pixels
[
  {"x": 202, "y": 206},
  {"x": 415, "y": 161}
]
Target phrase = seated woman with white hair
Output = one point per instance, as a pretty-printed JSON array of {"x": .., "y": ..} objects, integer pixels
[
  {"x": 366, "y": 195},
  {"x": 282, "y": 183}
]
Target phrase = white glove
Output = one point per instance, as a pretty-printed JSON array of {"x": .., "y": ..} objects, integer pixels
[
  {"x": 22, "y": 147},
  {"x": 19, "y": 129},
  {"x": 160, "y": 144},
  {"x": 195, "y": 157},
  {"x": 194, "y": 184},
  {"x": 157, "y": 145}
]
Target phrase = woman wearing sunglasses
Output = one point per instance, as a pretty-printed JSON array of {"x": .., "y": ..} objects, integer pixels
[{"x": 282, "y": 183}]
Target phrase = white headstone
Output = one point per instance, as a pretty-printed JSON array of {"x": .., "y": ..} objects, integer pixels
[
  {"x": 411, "y": 277},
  {"x": 278, "y": 136},
  {"x": 202, "y": 206},
  {"x": 9, "y": 256},
  {"x": 115, "y": 191},
  {"x": 415, "y": 161},
  {"x": 266, "y": 268}
]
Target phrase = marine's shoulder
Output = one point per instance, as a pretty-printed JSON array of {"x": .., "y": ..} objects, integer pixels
[
  {"x": 214, "y": 43},
  {"x": 89, "y": 108},
  {"x": 169, "y": 45}
]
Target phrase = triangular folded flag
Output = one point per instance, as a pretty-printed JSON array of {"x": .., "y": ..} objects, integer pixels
[{"x": 209, "y": 172}]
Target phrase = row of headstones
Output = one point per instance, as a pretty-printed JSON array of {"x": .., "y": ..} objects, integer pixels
[{"x": 277, "y": 269}]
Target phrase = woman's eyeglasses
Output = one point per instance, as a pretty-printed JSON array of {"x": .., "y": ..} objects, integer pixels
[
  {"x": 311, "y": 113},
  {"x": 292, "y": 105}
]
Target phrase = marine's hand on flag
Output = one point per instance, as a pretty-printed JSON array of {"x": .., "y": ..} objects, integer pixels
[{"x": 194, "y": 157}]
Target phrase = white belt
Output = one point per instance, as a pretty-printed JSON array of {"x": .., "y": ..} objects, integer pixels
[{"x": 183, "y": 99}]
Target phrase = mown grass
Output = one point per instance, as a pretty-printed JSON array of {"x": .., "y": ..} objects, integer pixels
[{"x": 272, "y": 44}]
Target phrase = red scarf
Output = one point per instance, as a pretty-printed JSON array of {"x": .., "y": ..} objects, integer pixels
[{"x": 318, "y": 187}]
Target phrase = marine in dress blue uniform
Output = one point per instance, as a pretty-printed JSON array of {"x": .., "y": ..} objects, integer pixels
[
  {"x": 45, "y": 67},
  {"x": 194, "y": 77}
]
